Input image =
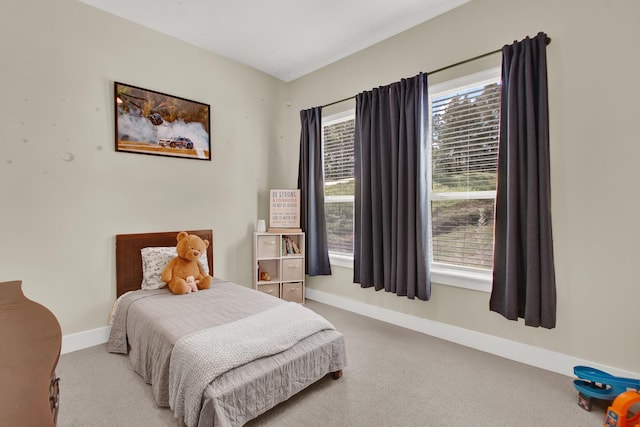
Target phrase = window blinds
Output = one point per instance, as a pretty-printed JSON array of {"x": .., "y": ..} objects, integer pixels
[{"x": 464, "y": 149}]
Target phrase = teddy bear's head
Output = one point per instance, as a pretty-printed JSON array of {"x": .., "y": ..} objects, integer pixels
[{"x": 190, "y": 246}]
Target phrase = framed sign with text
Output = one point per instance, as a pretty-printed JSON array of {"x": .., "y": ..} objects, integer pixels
[{"x": 284, "y": 208}]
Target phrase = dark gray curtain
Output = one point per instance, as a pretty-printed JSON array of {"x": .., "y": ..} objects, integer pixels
[
  {"x": 391, "y": 208},
  {"x": 523, "y": 272},
  {"x": 311, "y": 185}
]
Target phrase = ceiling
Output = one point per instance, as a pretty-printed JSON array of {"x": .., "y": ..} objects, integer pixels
[{"x": 284, "y": 38}]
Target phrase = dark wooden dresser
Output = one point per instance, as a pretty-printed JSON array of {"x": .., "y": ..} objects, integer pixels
[{"x": 30, "y": 343}]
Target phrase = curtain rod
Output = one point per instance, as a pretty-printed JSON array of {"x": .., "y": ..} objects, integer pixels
[{"x": 475, "y": 58}]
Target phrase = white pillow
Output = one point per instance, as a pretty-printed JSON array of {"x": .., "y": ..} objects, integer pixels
[{"x": 155, "y": 259}]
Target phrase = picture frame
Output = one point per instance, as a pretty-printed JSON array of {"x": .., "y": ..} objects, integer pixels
[
  {"x": 155, "y": 123},
  {"x": 284, "y": 209}
]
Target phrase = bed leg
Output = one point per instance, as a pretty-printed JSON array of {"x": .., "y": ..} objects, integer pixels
[{"x": 336, "y": 375}]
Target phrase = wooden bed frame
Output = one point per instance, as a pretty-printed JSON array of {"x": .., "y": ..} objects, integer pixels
[{"x": 129, "y": 259}]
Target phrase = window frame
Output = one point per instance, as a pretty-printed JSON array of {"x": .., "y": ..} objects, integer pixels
[
  {"x": 340, "y": 259},
  {"x": 447, "y": 274}
]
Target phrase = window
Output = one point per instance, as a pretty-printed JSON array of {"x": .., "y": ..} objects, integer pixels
[
  {"x": 337, "y": 143},
  {"x": 465, "y": 119},
  {"x": 464, "y": 123}
]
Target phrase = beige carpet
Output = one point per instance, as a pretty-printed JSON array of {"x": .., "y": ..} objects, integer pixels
[{"x": 394, "y": 377}]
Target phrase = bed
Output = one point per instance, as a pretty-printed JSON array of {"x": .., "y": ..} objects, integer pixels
[{"x": 155, "y": 328}]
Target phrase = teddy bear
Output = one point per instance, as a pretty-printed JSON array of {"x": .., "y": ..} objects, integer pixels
[{"x": 189, "y": 248}]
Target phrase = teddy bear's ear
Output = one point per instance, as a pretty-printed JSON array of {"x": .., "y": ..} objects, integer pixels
[
  {"x": 182, "y": 235},
  {"x": 206, "y": 243}
]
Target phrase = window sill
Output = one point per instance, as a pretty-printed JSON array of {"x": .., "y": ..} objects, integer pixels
[
  {"x": 476, "y": 280},
  {"x": 341, "y": 260}
]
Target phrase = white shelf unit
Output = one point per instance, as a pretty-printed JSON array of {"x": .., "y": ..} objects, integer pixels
[{"x": 281, "y": 256}]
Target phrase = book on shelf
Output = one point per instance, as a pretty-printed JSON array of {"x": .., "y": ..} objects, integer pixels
[{"x": 289, "y": 246}]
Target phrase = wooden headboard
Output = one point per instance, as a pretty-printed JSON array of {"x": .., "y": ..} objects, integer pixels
[{"x": 129, "y": 260}]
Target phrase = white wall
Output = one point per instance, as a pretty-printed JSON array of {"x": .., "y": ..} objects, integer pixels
[
  {"x": 592, "y": 64},
  {"x": 59, "y": 216}
]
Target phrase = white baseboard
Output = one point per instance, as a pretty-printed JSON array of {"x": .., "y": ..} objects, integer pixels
[
  {"x": 513, "y": 350},
  {"x": 80, "y": 340}
]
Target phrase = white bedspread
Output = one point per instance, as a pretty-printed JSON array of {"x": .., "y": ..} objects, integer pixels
[{"x": 202, "y": 356}]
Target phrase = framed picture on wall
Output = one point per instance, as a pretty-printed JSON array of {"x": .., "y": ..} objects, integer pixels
[{"x": 149, "y": 122}]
